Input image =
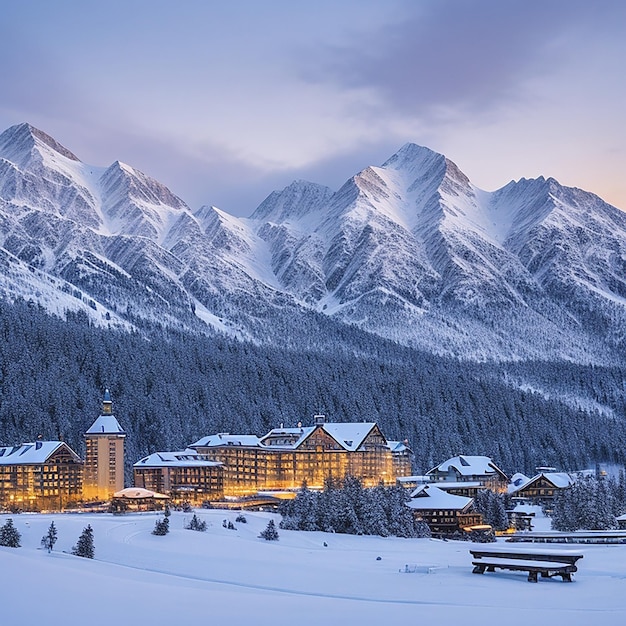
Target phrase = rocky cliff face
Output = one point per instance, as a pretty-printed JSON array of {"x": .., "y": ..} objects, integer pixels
[{"x": 410, "y": 250}]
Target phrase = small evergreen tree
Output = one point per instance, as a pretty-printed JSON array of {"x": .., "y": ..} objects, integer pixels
[
  {"x": 161, "y": 527},
  {"x": 196, "y": 524},
  {"x": 241, "y": 519},
  {"x": 270, "y": 533},
  {"x": 9, "y": 535},
  {"x": 84, "y": 546},
  {"x": 50, "y": 538}
]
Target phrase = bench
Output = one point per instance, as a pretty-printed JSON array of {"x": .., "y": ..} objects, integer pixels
[{"x": 546, "y": 563}]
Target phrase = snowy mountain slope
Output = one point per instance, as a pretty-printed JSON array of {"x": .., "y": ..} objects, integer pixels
[{"x": 410, "y": 250}]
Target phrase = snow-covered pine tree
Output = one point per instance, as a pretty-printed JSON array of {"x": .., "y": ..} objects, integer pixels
[
  {"x": 84, "y": 546},
  {"x": 270, "y": 533},
  {"x": 161, "y": 527},
  {"x": 50, "y": 538},
  {"x": 9, "y": 535},
  {"x": 196, "y": 524}
]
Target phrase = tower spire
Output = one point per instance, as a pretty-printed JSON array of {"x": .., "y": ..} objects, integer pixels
[{"x": 107, "y": 404}]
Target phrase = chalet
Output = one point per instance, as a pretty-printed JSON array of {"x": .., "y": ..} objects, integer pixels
[
  {"x": 444, "y": 512},
  {"x": 40, "y": 475},
  {"x": 183, "y": 476},
  {"x": 479, "y": 470},
  {"x": 621, "y": 522},
  {"x": 543, "y": 487},
  {"x": 285, "y": 458}
]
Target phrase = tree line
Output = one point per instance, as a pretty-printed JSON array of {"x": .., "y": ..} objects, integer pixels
[{"x": 170, "y": 388}]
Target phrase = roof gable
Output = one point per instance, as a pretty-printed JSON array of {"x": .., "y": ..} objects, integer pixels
[
  {"x": 466, "y": 465},
  {"x": 35, "y": 453},
  {"x": 428, "y": 497},
  {"x": 106, "y": 425}
]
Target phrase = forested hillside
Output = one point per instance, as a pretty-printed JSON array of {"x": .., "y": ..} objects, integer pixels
[{"x": 170, "y": 388}]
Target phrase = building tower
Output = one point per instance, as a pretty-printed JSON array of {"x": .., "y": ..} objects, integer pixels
[{"x": 104, "y": 463}]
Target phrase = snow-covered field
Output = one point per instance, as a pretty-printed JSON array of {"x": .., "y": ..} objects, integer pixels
[{"x": 233, "y": 577}]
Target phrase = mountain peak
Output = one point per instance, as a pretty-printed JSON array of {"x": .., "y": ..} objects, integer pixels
[
  {"x": 412, "y": 156},
  {"x": 25, "y": 136},
  {"x": 298, "y": 199}
]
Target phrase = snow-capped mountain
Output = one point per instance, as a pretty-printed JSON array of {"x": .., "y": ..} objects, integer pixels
[{"x": 410, "y": 250}]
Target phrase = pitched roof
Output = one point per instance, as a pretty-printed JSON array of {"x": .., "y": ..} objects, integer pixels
[
  {"x": 139, "y": 493},
  {"x": 350, "y": 435},
  {"x": 427, "y": 497},
  {"x": 106, "y": 425},
  {"x": 32, "y": 453},
  {"x": 469, "y": 466},
  {"x": 226, "y": 439},
  {"x": 560, "y": 480},
  {"x": 283, "y": 438},
  {"x": 182, "y": 458}
]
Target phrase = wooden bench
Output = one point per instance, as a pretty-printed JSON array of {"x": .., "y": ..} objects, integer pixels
[{"x": 546, "y": 563}]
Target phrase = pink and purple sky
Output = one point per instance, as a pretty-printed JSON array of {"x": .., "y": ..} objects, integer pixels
[{"x": 226, "y": 101}]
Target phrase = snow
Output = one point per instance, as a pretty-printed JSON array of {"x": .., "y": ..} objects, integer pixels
[
  {"x": 233, "y": 577},
  {"x": 29, "y": 453},
  {"x": 105, "y": 424},
  {"x": 467, "y": 466},
  {"x": 428, "y": 497}
]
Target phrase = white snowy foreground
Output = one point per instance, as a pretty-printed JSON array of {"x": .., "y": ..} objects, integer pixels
[{"x": 233, "y": 577}]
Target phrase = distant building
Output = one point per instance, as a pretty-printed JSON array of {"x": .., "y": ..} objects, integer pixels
[
  {"x": 543, "y": 487},
  {"x": 464, "y": 470},
  {"x": 444, "y": 512},
  {"x": 184, "y": 476},
  {"x": 285, "y": 458},
  {"x": 44, "y": 475},
  {"x": 104, "y": 463}
]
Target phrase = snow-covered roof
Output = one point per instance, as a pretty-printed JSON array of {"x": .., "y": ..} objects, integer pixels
[
  {"x": 447, "y": 485},
  {"x": 139, "y": 493},
  {"x": 350, "y": 435},
  {"x": 414, "y": 479},
  {"x": 182, "y": 458},
  {"x": 32, "y": 453},
  {"x": 468, "y": 466},
  {"x": 106, "y": 425},
  {"x": 621, "y": 518},
  {"x": 427, "y": 497},
  {"x": 397, "y": 446},
  {"x": 286, "y": 437},
  {"x": 558, "y": 479},
  {"x": 226, "y": 439},
  {"x": 518, "y": 480}
]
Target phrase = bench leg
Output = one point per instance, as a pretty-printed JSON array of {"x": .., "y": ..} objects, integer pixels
[
  {"x": 478, "y": 569},
  {"x": 567, "y": 577},
  {"x": 532, "y": 577}
]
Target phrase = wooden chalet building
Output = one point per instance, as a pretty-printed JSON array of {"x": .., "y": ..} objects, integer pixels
[
  {"x": 543, "y": 487},
  {"x": 466, "y": 475},
  {"x": 43, "y": 475},
  {"x": 444, "y": 512},
  {"x": 285, "y": 458},
  {"x": 183, "y": 476}
]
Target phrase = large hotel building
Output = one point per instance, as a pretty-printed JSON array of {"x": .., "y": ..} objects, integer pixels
[{"x": 49, "y": 475}]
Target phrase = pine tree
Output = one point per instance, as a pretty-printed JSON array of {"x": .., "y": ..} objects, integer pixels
[
  {"x": 50, "y": 538},
  {"x": 270, "y": 533},
  {"x": 84, "y": 546},
  {"x": 9, "y": 535},
  {"x": 161, "y": 527},
  {"x": 196, "y": 524}
]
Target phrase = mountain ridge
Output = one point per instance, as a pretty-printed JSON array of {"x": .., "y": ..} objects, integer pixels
[{"x": 410, "y": 251}]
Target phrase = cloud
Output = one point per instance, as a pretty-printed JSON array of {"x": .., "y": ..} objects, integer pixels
[{"x": 456, "y": 57}]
